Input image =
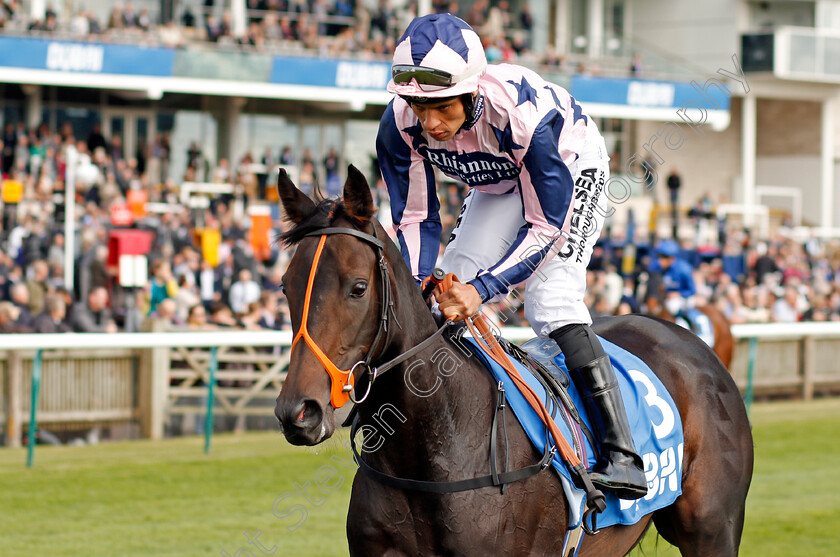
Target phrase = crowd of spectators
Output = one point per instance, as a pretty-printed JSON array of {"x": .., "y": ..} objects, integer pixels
[
  {"x": 772, "y": 280},
  {"x": 184, "y": 290},
  {"x": 750, "y": 280},
  {"x": 326, "y": 26}
]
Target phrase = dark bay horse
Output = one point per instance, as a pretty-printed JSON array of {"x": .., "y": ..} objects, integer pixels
[{"x": 429, "y": 418}]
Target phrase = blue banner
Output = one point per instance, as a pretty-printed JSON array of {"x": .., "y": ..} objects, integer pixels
[
  {"x": 320, "y": 72},
  {"x": 78, "y": 57},
  {"x": 650, "y": 94}
]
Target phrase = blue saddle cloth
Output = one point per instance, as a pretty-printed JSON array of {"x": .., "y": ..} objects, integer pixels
[{"x": 654, "y": 422}]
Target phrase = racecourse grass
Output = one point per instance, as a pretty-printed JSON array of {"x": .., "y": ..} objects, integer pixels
[{"x": 168, "y": 498}]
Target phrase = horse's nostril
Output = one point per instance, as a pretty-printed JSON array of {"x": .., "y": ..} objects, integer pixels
[{"x": 304, "y": 414}]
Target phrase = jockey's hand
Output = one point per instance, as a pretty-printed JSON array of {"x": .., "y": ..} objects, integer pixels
[{"x": 459, "y": 302}]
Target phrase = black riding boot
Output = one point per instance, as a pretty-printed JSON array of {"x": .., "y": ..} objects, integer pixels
[{"x": 619, "y": 469}]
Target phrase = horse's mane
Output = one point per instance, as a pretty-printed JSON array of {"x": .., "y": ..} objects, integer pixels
[{"x": 325, "y": 214}]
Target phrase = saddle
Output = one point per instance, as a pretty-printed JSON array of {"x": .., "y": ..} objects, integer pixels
[
  {"x": 653, "y": 417},
  {"x": 538, "y": 355}
]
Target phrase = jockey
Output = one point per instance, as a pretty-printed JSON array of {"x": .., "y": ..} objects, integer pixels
[
  {"x": 677, "y": 279},
  {"x": 536, "y": 166}
]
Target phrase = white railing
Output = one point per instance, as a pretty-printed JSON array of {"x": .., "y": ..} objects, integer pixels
[
  {"x": 796, "y": 359},
  {"x": 173, "y": 339},
  {"x": 787, "y": 331}
]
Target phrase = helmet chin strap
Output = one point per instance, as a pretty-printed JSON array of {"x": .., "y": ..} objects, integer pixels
[{"x": 473, "y": 107}]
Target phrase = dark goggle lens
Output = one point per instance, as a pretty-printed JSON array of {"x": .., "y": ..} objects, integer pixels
[{"x": 424, "y": 76}]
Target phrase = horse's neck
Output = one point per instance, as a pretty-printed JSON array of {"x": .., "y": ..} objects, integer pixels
[
  {"x": 427, "y": 413},
  {"x": 430, "y": 415}
]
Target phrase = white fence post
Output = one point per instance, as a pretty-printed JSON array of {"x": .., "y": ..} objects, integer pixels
[{"x": 14, "y": 397}]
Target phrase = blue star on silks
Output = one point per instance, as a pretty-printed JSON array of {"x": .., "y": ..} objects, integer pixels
[
  {"x": 416, "y": 133},
  {"x": 526, "y": 92},
  {"x": 505, "y": 139},
  {"x": 578, "y": 111},
  {"x": 426, "y": 31},
  {"x": 557, "y": 102}
]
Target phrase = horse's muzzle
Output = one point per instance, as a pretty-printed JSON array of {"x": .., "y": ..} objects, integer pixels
[{"x": 302, "y": 421}]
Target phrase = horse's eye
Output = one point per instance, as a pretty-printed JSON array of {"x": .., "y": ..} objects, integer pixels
[{"x": 359, "y": 289}]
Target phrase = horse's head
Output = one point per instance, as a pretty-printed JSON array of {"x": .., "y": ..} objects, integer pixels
[{"x": 335, "y": 287}]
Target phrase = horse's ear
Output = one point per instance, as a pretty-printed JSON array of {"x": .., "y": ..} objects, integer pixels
[
  {"x": 296, "y": 204},
  {"x": 357, "y": 199}
]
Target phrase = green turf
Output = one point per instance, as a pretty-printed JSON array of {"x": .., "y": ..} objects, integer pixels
[{"x": 168, "y": 498}]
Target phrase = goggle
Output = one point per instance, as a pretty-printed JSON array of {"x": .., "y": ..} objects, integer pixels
[{"x": 429, "y": 79}]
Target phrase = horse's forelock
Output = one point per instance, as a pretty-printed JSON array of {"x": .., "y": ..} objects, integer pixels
[{"x": 327, "y": 212}]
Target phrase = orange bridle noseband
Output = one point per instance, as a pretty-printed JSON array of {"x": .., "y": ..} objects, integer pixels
[{"x": 343, "y": 381}]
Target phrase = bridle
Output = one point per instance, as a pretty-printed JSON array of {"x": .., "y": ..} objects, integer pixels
[{"x": 343, "y": 381}]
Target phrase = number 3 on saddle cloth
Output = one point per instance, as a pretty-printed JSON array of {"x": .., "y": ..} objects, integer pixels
[{"x": 653, "y": 417}]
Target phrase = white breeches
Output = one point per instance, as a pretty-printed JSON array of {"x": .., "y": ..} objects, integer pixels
[{"x": 488, "y": 225}]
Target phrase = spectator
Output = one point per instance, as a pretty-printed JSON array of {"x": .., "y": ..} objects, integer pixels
[
  {"x": 9, "y": 319},
  {"x": 785, "y": 310},
  {"x": 135, "y": 313},
  {"x": 221, "y": 316},
  {"x": 164, "y": 317},
  {"x": 269, "y": 317},
  {"x": 286, "y": 157},
  {"x": 636, "y": 65},
  {"x": 93, "y": 23},
  {"x": 161, "y": 285},
  {"x": 99, "y": 275},
  {"x": 96, "y": 139},
  {"x": 188, "y": 18},
  {"x": 116, "y": 19},
  {"x": 51, "y": 320},
  {"x": 38, "y": 286},
  {"x": 274, "y": 281},
  {"x": 251, "y": 318},
  {"x": 20, "y": 298},
  {"x": 307, "y": 180},
  {"x": 526, "y": 21},
  {"x": 766, "y": 262},
  {"x": 186, "y": 297},
  {"x": 331, "y": 163},
  {"x": 80, "y": 25},
  {"x": 674, "y": 184},
  {"x": 144, "y": 20},
  {"x": 130, "y": 17},
  {"x": 243, "y": 292},
  {"x": 212, "y": 31},
  {"x": 93, "y": 316},
  {"x": 197, "y": 318}
]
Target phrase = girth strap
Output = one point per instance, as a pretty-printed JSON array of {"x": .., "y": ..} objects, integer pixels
[
  {"x": 500, "y": 409},
  {"x": 492, "y": 480}
]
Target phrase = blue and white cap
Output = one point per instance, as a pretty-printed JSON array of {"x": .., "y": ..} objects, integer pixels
[{"x": 439, "y": 55}]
